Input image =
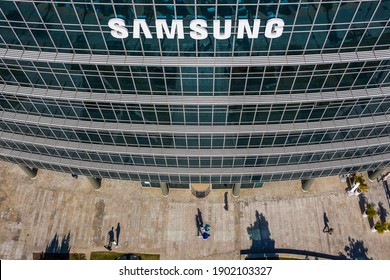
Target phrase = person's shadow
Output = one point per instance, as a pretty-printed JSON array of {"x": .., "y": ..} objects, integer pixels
[
  {"x": 110, "y": 239},
  {"x": 382, "y": 212},
  {"x": 118, "y": 232},
  {"x": 226, "y": 207},
  {"x": 199, "y": 221},
  {"x": 326, "y": 223}
]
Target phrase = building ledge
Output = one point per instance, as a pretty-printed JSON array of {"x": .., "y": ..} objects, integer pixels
[{"x": 235, "y": 61}]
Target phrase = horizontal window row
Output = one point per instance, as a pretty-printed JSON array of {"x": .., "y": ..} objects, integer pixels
[
  {"x": 194, "y": 72},
  {"x": 195, "y": 162},
  {"x": 71, "y": 12},
  {"x": 44, "y": 26},
  {"x": 196, "y": 114},
  {"x": 290, "y": 43},
  {"x": 205, "y": 81},
  {"x": 202, "y": 141},
  {"x": 214, "y": 178},
  {"x": 213, "y": 186}
]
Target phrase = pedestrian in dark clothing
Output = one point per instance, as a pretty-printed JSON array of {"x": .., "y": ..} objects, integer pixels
[
  {"x": 326, "y": 223},
  {"x": 111, "y": 240}
]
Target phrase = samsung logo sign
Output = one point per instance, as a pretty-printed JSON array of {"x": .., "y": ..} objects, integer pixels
[{"x": 273, "y": 29}]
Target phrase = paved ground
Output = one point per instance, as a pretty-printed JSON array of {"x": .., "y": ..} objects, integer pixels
[{"x": 57, "y": 207}]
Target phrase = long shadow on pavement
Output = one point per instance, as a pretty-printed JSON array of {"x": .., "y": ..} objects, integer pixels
[
  {"x": 387, "y": 190},
  {"x": 382, "y": 212},
  {"x": 56, "y": 249},
  {"x": 262, "y": 244},
  {"x": 362, "y": 203},
  {"x": 199, "y": 221}
]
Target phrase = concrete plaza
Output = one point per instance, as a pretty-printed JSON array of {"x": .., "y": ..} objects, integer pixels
[{"x": 278, "y": 216}]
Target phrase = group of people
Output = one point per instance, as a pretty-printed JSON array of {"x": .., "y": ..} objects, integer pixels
[{"x": 205, "y": 232}]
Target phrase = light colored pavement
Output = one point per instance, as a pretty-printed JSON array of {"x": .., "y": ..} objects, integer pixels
[{"x": 280, "y": 215}]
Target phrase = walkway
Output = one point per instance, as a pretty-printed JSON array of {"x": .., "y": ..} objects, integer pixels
[{"x": 280, "y": 215}]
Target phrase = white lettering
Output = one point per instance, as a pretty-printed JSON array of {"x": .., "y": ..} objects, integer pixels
[
  {"x": 243, "y": 25},
  {"x": 119, "y": 30},
  {"x": 141, "y": 23},
  {"x": 199, "y": 29},
  {"x": 217, "y": 29},
  {"x": 176, "y": 25},
  {"x": 274, "y": 28}
]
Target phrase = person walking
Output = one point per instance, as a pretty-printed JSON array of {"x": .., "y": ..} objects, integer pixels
[
  {"x": 326, "y": 223},
  {"x": 111, "y": 240}
]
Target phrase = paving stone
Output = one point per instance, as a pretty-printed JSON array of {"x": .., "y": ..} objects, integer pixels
[{"x": 279, "y": 215}]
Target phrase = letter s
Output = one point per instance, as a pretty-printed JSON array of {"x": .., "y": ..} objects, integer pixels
[
  {"x": 119, "y": 30},
  {"x": 198, "y": 27}
]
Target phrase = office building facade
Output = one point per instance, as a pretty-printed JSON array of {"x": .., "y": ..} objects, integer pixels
[{"x": 179, "y": 93}]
